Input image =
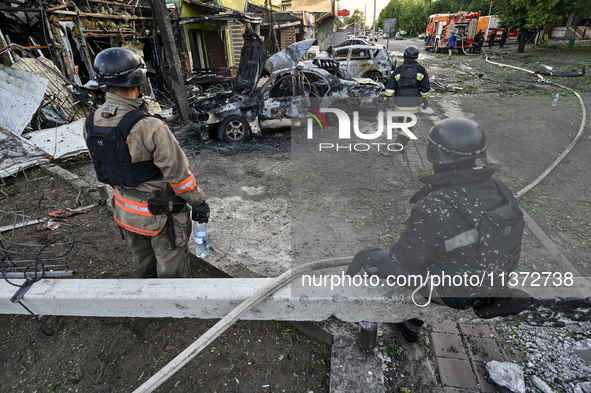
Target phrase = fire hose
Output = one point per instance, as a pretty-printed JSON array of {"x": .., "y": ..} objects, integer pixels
[
  {"x": 569, "y": 147},
  {"x": 223, "y": 324}
]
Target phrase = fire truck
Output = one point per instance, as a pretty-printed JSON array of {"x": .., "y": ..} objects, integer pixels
[
  {"x": 488, "y": 23},
  {"x": 440, "y": 27}
]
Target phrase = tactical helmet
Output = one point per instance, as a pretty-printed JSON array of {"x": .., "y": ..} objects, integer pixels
[
  {"x": 455, "y": 140},
  {"x": 411, "y": 52},
  {"x": 119, "y": 67}
]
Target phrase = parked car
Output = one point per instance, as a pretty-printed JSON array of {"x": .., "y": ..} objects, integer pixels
[
  {"x": 422, "y": 36},
  {"x": 354, "y": 41},
  {"x": 373, "y": 38},
  {"x": 366, "y": 62},
  {"x": 398, "y": 36},
  {"x": 248, "y": 110}
]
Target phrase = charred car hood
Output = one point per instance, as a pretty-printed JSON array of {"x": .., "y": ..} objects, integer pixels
[
  {"x": 252, "y": 60},
  {"x": 289, "y": 57}
]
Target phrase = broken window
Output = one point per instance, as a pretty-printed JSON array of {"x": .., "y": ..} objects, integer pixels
[
  {"x": 284, "y": 87},
  {"x": 341, "y": 54},
  {"x": 360, "y": 54},
  {"x": 315, "y": 85}
]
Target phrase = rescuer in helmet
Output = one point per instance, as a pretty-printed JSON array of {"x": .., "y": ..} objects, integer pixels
[
  {"x": 409, "y": 84},
  {"x": 139, "y": 156},
  {"x": 463, "y": 223}
]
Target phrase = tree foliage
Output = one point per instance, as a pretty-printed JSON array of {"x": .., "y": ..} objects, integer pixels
[
  {"x": 357, "y": 16},
  {"x": 532, "y": 13},
  {"x": 411, "y": 15}
]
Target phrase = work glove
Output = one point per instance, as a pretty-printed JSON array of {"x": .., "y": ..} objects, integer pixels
[
  {"x": 425, "y": 103},
  {"x": 200, "y": 213},
  {"x": 381, "y": 268}
]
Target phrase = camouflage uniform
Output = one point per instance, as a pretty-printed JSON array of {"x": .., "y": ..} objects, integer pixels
[{"x": 151, "y": 139}]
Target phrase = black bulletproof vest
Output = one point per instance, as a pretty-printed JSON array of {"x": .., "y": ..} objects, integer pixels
[
  {"x": 110, "y": 153},
  {"x": 408, "y": 76}
]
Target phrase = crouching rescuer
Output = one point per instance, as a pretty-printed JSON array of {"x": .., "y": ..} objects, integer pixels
[
  {"x": 464, "y": 223},
  {"x": 139, "y": 156},
  {"x": 409, "y": 85}
]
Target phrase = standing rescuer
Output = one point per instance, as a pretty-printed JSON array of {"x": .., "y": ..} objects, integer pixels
[
  {"x": 463, "y": 223},
  {"x": 409, "y": 84},
  {"x": 139, "y": 156}
]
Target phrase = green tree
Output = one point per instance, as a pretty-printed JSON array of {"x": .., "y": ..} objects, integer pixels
[
  {"x": 358, "y": 16},
  {"x": 527, "y": 14}
]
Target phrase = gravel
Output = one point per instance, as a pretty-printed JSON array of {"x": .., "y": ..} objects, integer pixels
[{"x": 552, "y": 354}]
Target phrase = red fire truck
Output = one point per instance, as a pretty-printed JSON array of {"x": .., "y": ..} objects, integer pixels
[
  {"x": 488, "y": 23},
  {"x": 440, "y": 27}
]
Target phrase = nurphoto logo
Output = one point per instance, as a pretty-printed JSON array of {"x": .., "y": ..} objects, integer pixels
[{"x": 399, "y": 121}]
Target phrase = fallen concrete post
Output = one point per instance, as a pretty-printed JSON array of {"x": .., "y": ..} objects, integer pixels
[{"x": 214, "y": 298}]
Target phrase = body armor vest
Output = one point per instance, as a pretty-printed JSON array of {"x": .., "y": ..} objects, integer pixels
[
  {"x": 110, "y": 153},
  {"x": 408, "y": 77}
]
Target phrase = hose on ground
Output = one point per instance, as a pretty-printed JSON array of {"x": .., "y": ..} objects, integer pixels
[
  {"x": 542, "y": 176},
  {"x": 216, "y": 330}
]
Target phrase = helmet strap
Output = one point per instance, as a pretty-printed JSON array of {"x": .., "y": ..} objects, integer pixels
[{"x": 439, "y": 168}]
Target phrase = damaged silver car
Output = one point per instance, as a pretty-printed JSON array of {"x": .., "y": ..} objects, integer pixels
[
  {"x": 248, "y": 110},
  {"x": 365, "y": 61}
]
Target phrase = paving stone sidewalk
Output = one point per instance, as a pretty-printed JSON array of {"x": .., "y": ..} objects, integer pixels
[{"x": 462, "y": 350}]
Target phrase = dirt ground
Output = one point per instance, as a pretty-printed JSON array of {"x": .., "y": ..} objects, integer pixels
[
  {"x": 256, "y": 229},
  {"x": 119, "y": 354}
]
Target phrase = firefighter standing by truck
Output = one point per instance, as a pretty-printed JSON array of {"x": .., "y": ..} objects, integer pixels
[
  {"x": 409, "y": 85},
  {"x": 139, "y": 156}
]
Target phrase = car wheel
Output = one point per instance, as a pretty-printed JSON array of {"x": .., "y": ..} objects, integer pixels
[
  {"x": 332, "y": 118},
  {"x": 234, "y": 129}
]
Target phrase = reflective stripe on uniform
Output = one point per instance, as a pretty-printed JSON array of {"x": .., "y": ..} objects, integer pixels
[
  {"x": 132, "y": 206},
  {"x": 410, "y": 109},
  {"x": 186, "y": 185},
  {"x": 389, "y": 93},
  {"x": 136, "y": 230},
  {"x": 425, "y": 95},
  {"x": 461, "y": 240},
  {"x": 420, "y": 76},
  {"x": 397, "y": 77}
]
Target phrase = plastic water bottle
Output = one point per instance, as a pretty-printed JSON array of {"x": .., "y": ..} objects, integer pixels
[
  {"x": 556, "y": 99},
  {"x": 201, "y": 243}
]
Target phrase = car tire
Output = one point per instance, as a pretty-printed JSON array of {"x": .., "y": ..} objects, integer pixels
[
  {"x": 332, "y": 118},
  {"x": 234, "y": 129}
]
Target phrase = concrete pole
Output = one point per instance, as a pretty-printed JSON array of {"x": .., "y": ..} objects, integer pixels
[
  {"x": 177, "y": 81},
  {"x": 374, "y": 18}
]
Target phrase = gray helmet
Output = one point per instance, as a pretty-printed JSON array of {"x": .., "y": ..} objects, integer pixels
[
  {"x": 455, "y": 140},
  {"x": 411, "y": 52},
  {"x": 119, "y": 67}
]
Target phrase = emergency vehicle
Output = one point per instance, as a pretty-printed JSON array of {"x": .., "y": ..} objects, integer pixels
[
  {"x": 440, "y": 27},
  {"x": 488, "y": 23}
]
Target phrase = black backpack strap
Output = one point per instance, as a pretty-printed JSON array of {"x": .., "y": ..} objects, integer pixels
[
  {"x": 90, "y": 122},
  {"x": 129, "y": 121}
]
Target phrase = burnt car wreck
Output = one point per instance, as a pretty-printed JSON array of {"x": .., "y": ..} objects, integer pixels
[{"x": 248, "y": 110}]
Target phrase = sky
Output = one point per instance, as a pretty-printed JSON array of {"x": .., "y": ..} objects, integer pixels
[{"x": 352, "y": 4}]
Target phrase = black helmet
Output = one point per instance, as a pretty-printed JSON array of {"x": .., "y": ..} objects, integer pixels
[
  {"x": 119, "y": 67},
  {"x": 411, "y": 52},
  {"x": 455, "y": 140}
]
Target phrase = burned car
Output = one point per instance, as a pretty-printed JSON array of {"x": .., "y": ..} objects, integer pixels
[
  {"x": 248, "y": 110},
  {"x": 365, "y": 61}
]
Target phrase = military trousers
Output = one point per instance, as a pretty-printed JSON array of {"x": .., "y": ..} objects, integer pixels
[{"x": 151, "y": 255}]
